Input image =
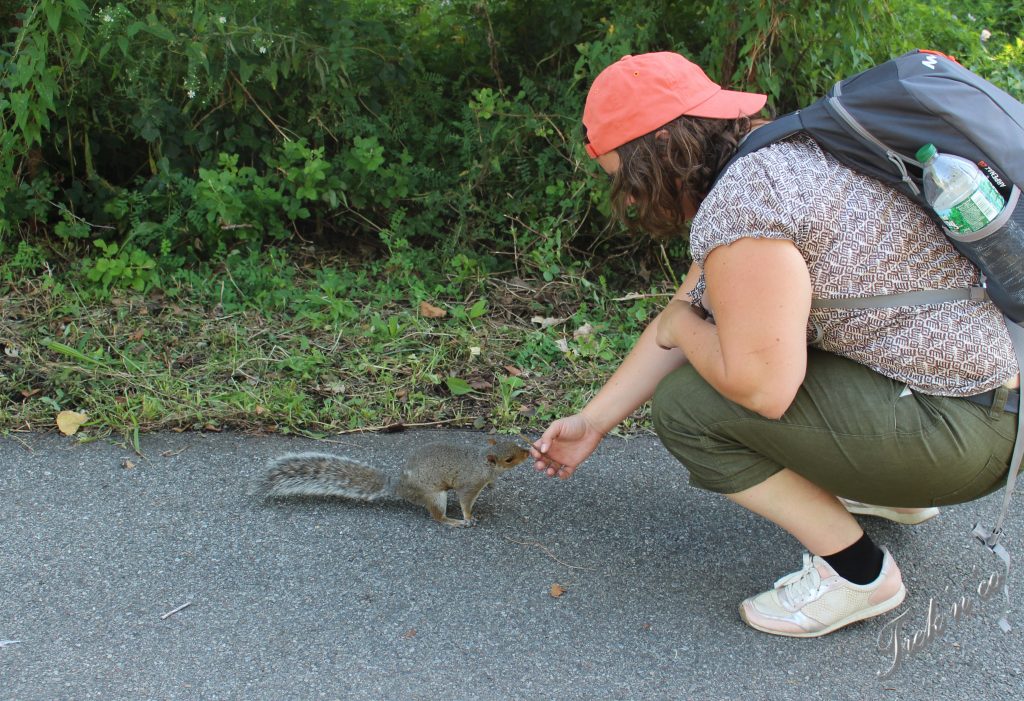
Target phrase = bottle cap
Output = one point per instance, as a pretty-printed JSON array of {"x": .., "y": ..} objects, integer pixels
[{"x": 925, "y": 153}]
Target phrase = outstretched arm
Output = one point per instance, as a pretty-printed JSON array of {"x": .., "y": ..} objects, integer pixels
[{"x": 569, "y": 441}]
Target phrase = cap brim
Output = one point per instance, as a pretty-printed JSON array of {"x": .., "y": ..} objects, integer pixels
[{"x": 729, "y": 104}]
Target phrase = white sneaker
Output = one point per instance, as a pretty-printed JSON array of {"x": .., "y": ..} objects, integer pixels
[
  {"x": 912, "y": 518},
  {"x": 815, "y": 600}
]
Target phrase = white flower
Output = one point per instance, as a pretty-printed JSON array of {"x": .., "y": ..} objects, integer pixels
[
  {"x": 223, "y": 19},
  {"x": 107, "y": 18},
  {"x": 985, "y": 35},
  {"x": 263, "y": 49},
  {"x": 191, "y": 94}
]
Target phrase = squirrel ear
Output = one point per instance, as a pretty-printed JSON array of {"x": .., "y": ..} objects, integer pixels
[
  {"x": 491, "y": 458},
  {"x": 491, "y": 441}
]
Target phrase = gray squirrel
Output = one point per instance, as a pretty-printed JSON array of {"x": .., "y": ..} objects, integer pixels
[{"x": 430, "y": 471}]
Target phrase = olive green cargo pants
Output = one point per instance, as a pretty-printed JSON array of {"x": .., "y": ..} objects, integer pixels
[{"x": 850, "y": 430}]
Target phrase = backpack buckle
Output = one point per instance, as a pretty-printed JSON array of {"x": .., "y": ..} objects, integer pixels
[{"x": 989, "y": 537}]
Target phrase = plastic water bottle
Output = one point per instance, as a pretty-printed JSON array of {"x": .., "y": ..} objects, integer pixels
[{"x": 958, "y": 191}]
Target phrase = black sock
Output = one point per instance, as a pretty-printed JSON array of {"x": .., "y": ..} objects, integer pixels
[{"x": 861, "y": 563}]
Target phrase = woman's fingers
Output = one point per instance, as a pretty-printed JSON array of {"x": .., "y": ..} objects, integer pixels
[
  {"x": 548, "y": 465},
  {"x": 542, "y": 445},
  {"x": 565, "y": 472},
  {"x": 553, "y": 467}
]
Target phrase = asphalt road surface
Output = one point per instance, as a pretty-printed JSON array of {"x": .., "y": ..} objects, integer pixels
[{"x": 314, "y": 599}]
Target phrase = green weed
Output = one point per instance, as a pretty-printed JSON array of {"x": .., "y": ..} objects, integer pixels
[{"x": 294, "y": 343}]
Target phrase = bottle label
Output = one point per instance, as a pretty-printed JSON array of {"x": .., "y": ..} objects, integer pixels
[{"x": 975, "y": 211}]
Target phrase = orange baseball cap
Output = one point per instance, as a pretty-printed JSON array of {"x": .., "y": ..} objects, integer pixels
[{"x": 637, "y": 94}]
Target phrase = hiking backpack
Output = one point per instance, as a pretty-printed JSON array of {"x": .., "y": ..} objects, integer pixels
[{"x": 875, "y": 121}]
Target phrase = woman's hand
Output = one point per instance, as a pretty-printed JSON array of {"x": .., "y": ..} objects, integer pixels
[{"x": 565, "y": 444}]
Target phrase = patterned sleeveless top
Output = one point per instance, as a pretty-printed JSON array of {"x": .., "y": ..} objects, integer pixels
[{"x": 860, "y": 237}]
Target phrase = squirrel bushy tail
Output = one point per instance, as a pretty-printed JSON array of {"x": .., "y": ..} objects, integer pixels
[{"x": 323, "y": 475}]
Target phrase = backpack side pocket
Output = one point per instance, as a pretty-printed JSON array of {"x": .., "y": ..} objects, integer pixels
[{"x": 998, "y": 250}]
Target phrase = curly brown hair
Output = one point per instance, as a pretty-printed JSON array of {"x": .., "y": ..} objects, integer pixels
[{"x": 659, "y": 170}]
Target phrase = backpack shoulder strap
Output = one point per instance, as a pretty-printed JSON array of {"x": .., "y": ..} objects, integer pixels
[
  {"x": 775, "y": 130},
  {"x": 992, "y": 535}
]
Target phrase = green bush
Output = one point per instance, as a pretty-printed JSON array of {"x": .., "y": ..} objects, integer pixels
[{"x": 147, "y": 136}]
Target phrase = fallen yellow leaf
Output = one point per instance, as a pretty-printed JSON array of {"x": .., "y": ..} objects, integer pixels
[
  {"x": 546, "y": 321},
  {"x": 429, "y": 311},
  {"x": 70, "y": 421},
  {"x": 556, "y": 590}
]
